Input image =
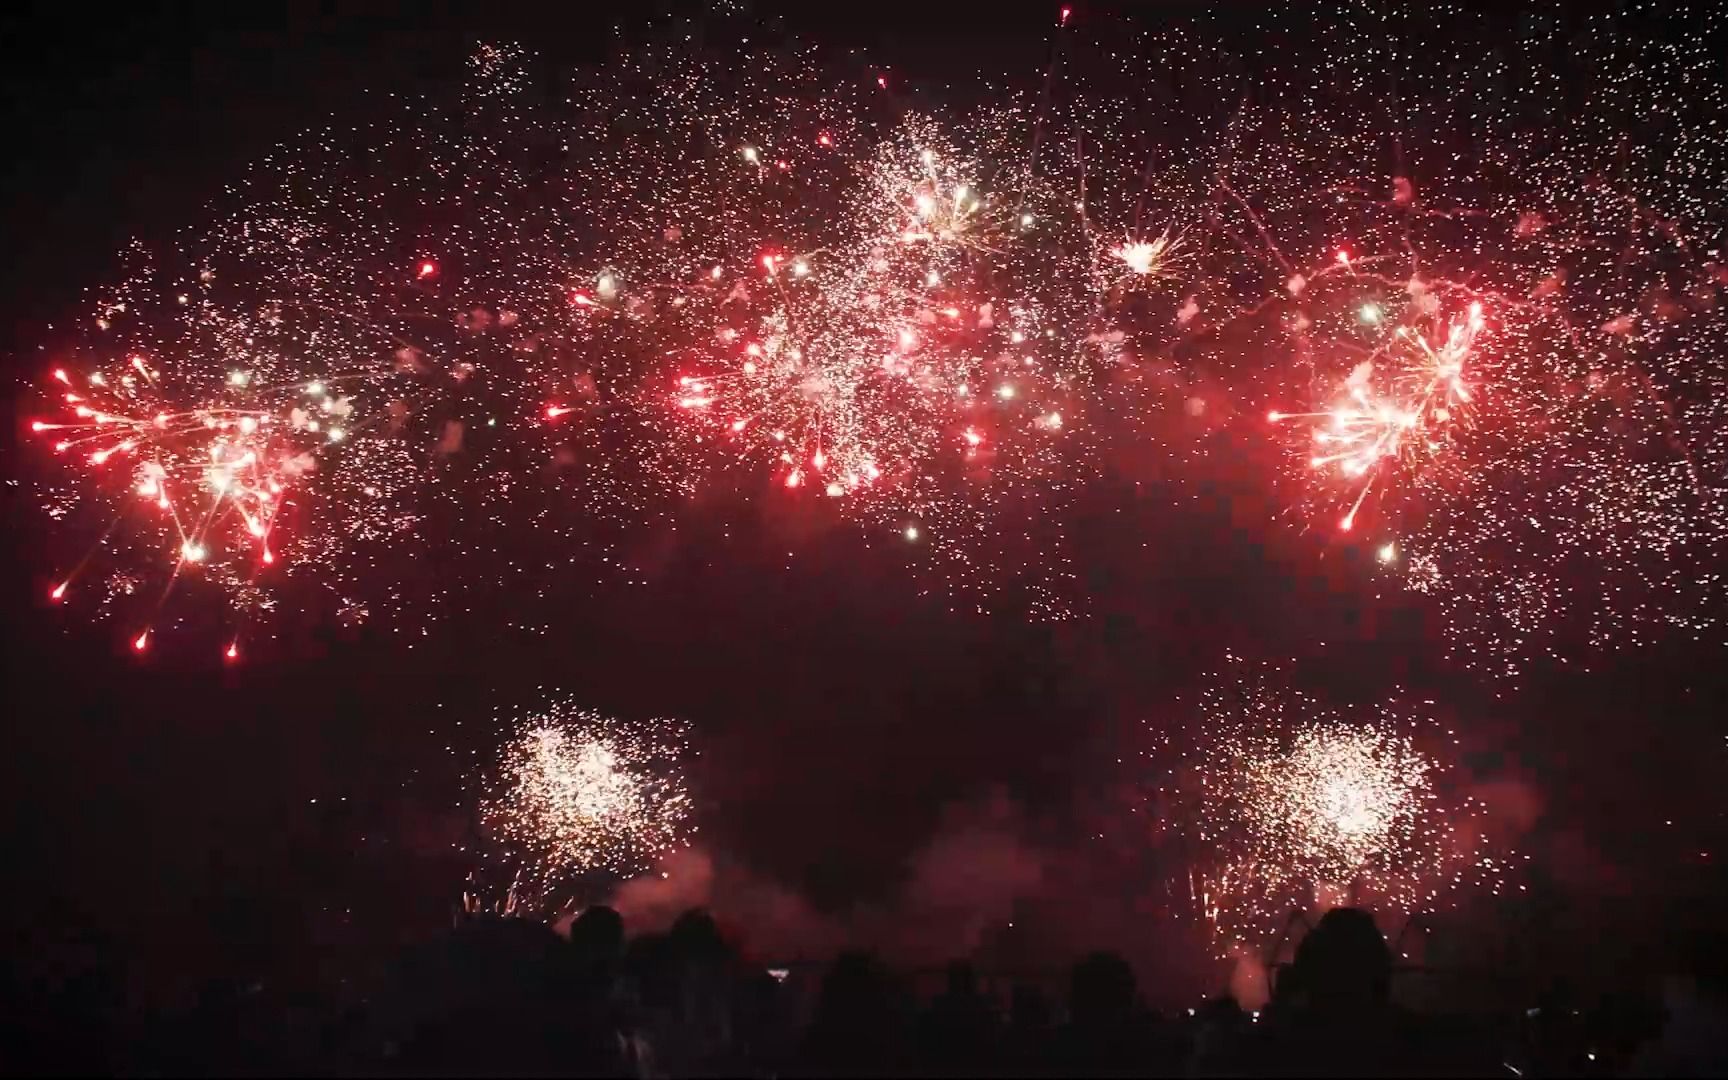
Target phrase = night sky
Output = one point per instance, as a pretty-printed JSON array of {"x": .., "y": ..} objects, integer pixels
[{"x": 860, "y": 744}]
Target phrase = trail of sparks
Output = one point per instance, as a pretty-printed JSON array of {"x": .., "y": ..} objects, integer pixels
[{"x": 1414, "y": 417}]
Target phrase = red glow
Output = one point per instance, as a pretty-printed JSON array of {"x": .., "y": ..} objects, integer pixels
[
  {"x": 825, "y": 139},
  {"x": 553, "y": 412},
  {"x": 973, "y": 438},
  {"x": 1347, "y": 523},
  {"x": 1065, "y": 13},
  {"x": 37, "y": 425},
  {"x": 59, "y": 590},
  {"x": 783, "y": 165},
  {"x": 580, "y": 299},
  {"x": 233, "y": 652},
  {"x": 794, "y": 478},
  {"x": 1343, "y": 257},
  {"x": 427, "y": 268},
  {"x": 60, "y": 373},
  {"x": 769, "y": 259},
  {"x": 882, "y": 81},
  {"x": 269, "y": 557},
  {"x": 139, "y": 642}
]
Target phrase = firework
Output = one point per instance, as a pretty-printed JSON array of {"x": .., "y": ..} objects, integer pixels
[
  {"x": 543, "y": 328},
  {"x": 1493, "y": 375},
  {"x": 892, "y": 320},
  {"x": 221, "y": 454},
  {"x": 578, "y": 794},
  {"x": 233, "y": 465},
  {"x": 324, "y": 382},
  {"x": 1295, "y": 806},
  {"x": 871, "y": 366},
  {"x": 1414, "y": 417},
  {"x": 1149, "y": 259}
]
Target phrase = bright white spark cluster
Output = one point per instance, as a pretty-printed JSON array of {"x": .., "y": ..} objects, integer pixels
[
  {"x": 1296, "y": 807},
  {"x": 1338, "y": 798},
  {"x": 578, "y": 793}
]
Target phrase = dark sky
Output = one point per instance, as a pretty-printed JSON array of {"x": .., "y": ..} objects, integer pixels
[{"x": 177, "y": 806}]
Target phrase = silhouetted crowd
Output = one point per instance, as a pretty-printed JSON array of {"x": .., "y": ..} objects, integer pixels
[{"x": 503, "y": 996}]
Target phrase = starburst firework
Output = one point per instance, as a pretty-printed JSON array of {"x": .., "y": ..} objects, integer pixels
[
  {"x": 578, "y": 793},
  {"x": 1294, "y": 807}
]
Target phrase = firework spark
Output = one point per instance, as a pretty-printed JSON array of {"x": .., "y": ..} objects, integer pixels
[
  {"x": 1549, "y": 472},
  {"x": 904, "y": 330},
  {"x": 1149, "y": 259},
  {"x": 208, "y": 446},
  {"x": 212, "y": 471},
  {"x": 288, "y": 407},
  {"x": 1295, "y": 807},
  {"x": 1411, "y": 420},
  {"x": 1507, "y": 361},
  {"x": 578, "y": 794}
]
